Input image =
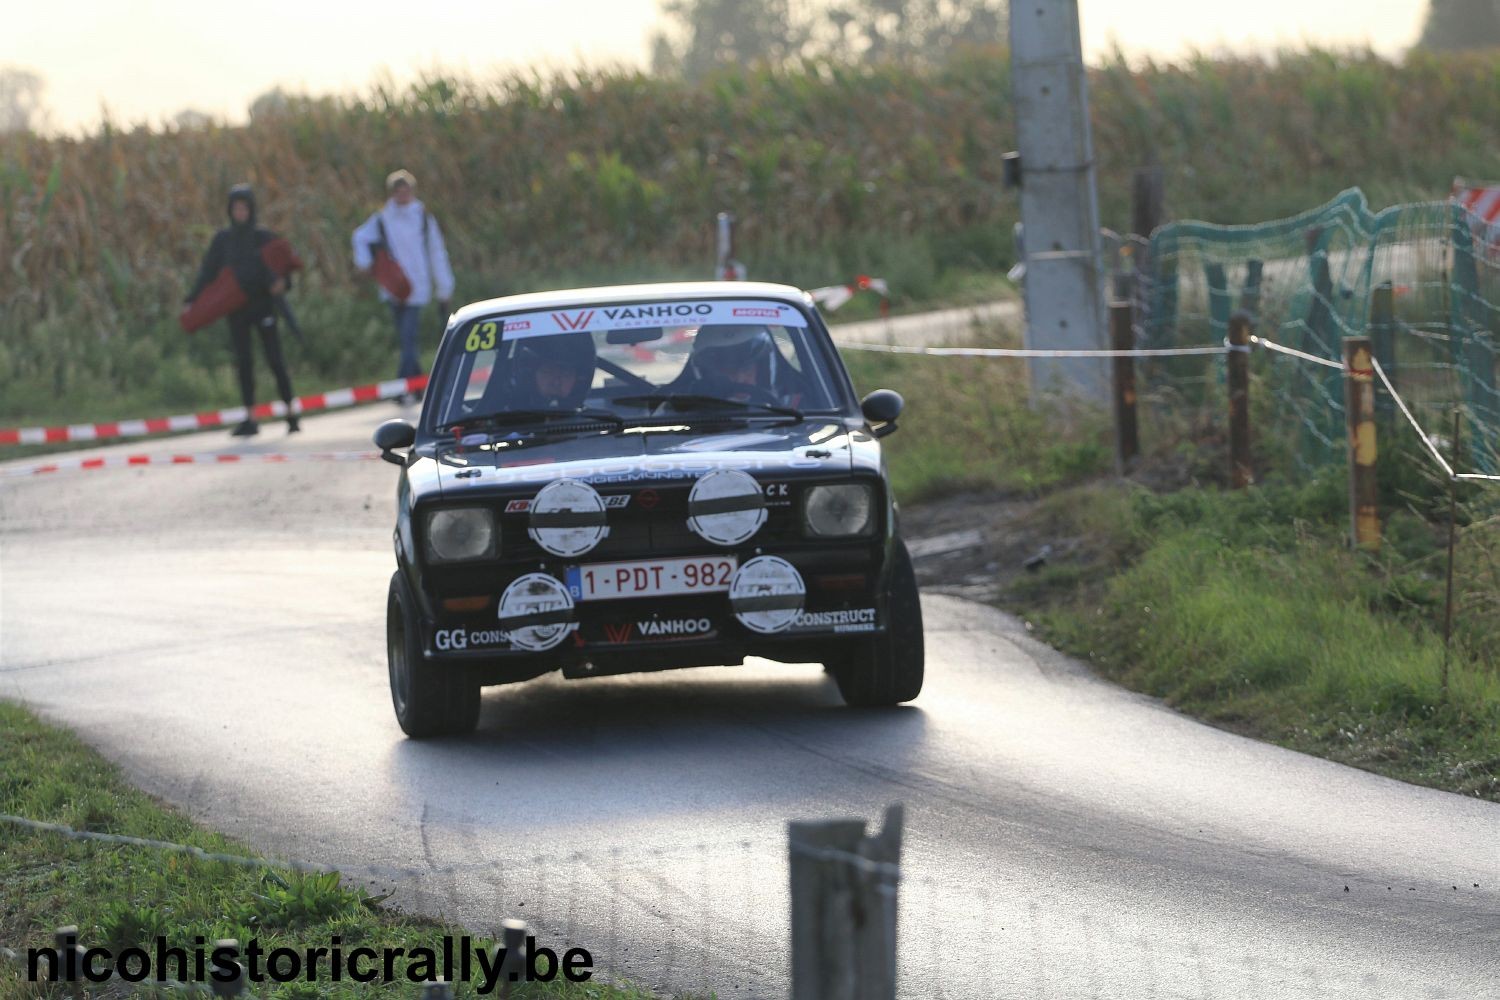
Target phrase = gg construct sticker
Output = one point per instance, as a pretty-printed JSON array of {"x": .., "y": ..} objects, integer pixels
[
  {"x": 726, "y": 507},
  {"x": 767, "y": 594},
  {"x": 567, "y": 518},
  {"x": 536, "y": 612}
]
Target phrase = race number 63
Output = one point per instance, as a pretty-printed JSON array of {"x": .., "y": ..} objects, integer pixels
[{"x": 481, "y": 338}]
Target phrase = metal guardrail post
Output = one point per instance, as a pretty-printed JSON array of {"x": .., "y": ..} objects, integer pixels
[
  {"x": 1359, "y": 411},
  {"x": 1241, "y": 473}
]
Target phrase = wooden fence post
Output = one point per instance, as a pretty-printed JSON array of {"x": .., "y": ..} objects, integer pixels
[
  {"x": 844, "y": 908},
  {"x": 1240, "y": 472},
  {"x": 1122, "y": 338},
  {"x": 1359, "y": 412}
]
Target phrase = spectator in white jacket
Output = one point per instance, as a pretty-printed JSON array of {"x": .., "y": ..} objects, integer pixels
[{"x": 411, "y": 235}]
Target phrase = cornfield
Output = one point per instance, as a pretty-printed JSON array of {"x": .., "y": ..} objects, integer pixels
[{"x": 833, "y": 170}]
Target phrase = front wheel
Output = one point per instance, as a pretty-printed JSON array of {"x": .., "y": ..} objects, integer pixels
[
  {"x": 430, "y": 699},
  {"x": 887, "y": 669}
]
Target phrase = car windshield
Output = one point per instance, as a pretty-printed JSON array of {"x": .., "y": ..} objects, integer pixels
[{"x": 633, "y": 364}]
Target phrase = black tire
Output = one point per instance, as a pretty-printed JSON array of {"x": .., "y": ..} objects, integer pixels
[
  {"x": 430, "y": 699},
  {"x": 887, "y": 669}
]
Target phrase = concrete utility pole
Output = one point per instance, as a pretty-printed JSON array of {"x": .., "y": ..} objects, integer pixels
[{"x": 1059, "y": 205}]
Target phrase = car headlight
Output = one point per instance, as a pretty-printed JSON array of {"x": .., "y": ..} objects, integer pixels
[
  {"x": 460, "y": 533},
  {"x": 832, "y": 511}
]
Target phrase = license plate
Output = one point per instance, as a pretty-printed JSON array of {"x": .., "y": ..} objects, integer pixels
[{"x": 651, "y": 578}]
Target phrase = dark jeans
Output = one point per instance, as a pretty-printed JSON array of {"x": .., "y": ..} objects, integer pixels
[
  {"x": 242, "y": 327},
  {"x": 407, "y": 327}
]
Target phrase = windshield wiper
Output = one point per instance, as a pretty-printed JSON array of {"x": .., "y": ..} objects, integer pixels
[
  {"x": 513, "y": 418},
  {"x": 690, "y": 399}
]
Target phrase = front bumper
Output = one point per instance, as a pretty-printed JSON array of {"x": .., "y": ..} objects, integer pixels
[{"x": 841, "y": 602}]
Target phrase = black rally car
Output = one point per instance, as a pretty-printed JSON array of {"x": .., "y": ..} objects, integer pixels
[{"x": 635, "y": 478}]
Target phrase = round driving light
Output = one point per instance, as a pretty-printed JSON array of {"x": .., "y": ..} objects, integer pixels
[
  {"x": 726, "y": 507},
  {"x": 536, "y": 612},
  {"x": 767, "y": 594},
  {"x": 832, "y": 511},
  {"x": 567, "y": 518},
  {"x": 461, "y": 533}
]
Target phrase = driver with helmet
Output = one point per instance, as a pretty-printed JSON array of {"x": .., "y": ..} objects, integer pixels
[
  {"x": 739, "y": 363},
  {"x": 551, "y": 372}
]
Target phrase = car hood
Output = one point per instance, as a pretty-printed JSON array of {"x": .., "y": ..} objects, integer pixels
[{"x": 812, "y": 447}]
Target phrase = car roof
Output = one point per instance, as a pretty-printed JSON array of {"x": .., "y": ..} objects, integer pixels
[{"x": 634, "y": 293}]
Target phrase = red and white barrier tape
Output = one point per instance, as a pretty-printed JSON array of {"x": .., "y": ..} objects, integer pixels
[
  {"x": 332, "y": 400},
  {"x": 190, "y": 458}
]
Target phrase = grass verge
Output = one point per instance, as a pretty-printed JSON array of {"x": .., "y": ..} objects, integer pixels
[
  {"x": 1247, "y": 610},
  {"x": 122, "y": 897}
]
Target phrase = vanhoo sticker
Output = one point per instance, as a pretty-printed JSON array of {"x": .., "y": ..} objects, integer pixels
[
  {"x": 536, "y": 612},
  {"x": 567, "y": 518},
  {"x": 726, "y": 507},
  {"x": 767, "y": 594}
]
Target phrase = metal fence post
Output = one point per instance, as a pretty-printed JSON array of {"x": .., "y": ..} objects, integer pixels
[
  {"x": 513, "y": 969},
  {"x": 726, "y": 268},
  {"x": 1238, "y": 360},
  {"x": 69, "y": 958},
  {"x": 1359, "y": 412},
  {"x": 236, "y": 985},
  {"x": 1122, "y": 338},
  {"x": 1452, "y": 542},
  {"x": 844, "y": 909},
  {"x": 1383, "y": 340}
]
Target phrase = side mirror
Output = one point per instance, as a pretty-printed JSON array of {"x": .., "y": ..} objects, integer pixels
[
  {"x": 881, "y": 408},
  {"x": 395, "y": 433}
]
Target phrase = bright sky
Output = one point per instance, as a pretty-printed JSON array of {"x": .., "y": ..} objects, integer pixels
[{"x": 148, "y": 59}]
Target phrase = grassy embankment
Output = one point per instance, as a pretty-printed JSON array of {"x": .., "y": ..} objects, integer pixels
[
  {"x": 833, "y": 170},
  {"x": 121, "y": 897},
  {"x": 1243, "y": 608}
]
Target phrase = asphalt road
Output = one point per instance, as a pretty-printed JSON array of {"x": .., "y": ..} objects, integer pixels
[{"x": 219, "y": 632}]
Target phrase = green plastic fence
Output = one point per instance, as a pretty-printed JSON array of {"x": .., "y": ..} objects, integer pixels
[{"x": 1421, "y": 280}]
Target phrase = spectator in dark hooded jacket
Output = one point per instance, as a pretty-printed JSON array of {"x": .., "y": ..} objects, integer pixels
[{"x": 238, "y": 247}]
